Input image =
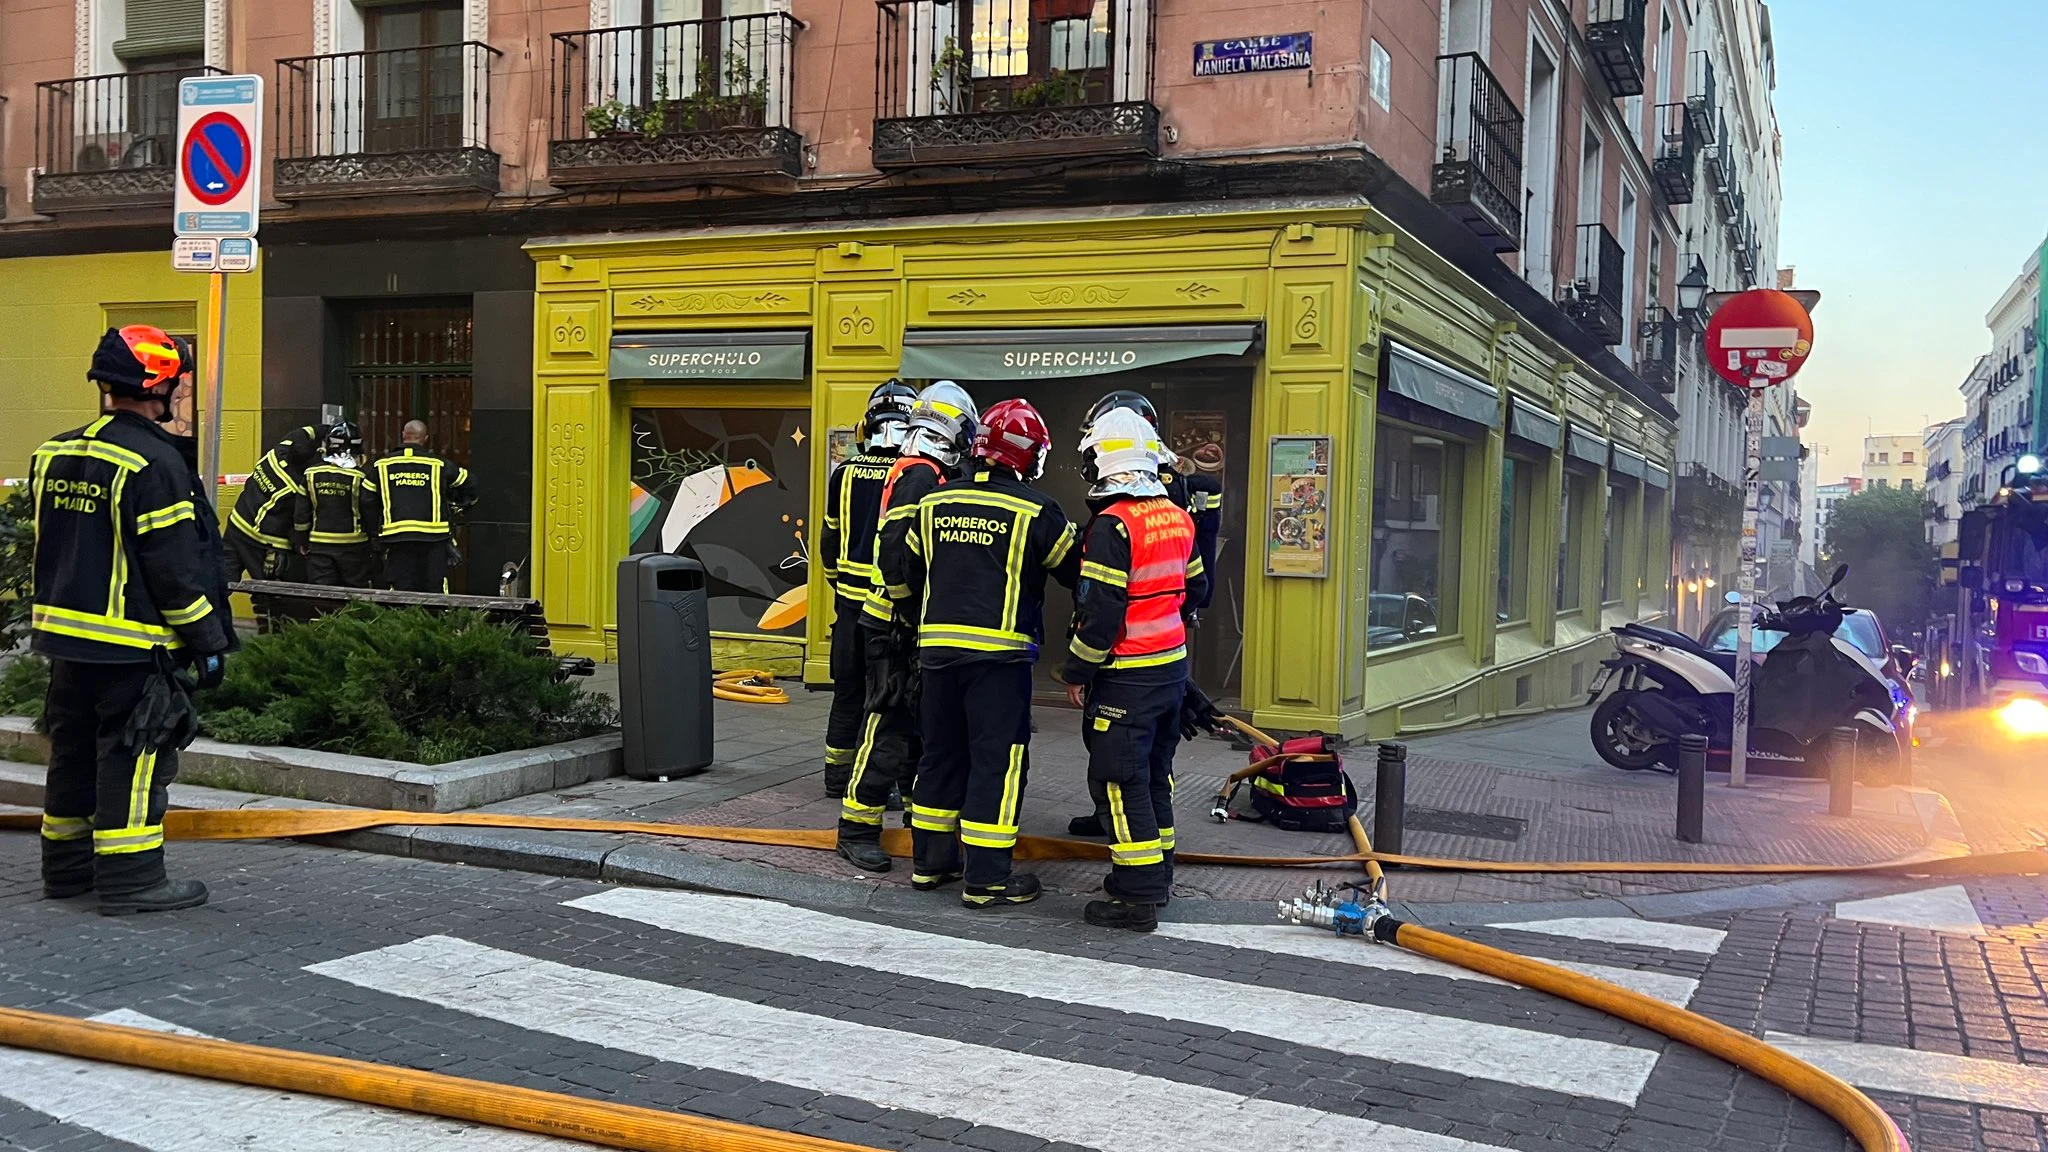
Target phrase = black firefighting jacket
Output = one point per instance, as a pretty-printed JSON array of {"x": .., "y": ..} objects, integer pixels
[
  {"x": 421, "y": 494},
  {"x": 889, "y": 598},
  {"x": 1202, "y": 495},
  {"x": 853, "y": 514},
  {"x": 979, "y": 554},
  {"x": 264, "y": 509},
  {"x": 127, "y": 559},
  {"x": 337, "y": 508}
]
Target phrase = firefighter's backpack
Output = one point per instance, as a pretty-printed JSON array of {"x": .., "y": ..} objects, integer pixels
[{"x": 1298, "y": 786}]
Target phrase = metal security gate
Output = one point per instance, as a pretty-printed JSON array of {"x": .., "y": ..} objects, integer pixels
[{"x": 410, "y": 362}]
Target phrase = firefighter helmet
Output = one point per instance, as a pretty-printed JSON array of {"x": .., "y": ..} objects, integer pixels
[
  {"x": 888, "y": 414},
  {"x": 1014, "y": 435},
  {"x": 941, "y": 423},
  {"x": 138, "y": 361},
  {"x": 1122, "y": 398},
  {"x": 1122, "y": 454},
  {"x": 343, "y": 437}
]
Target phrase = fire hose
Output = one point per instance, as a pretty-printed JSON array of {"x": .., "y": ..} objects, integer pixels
[{"x": 748, "y": 686}]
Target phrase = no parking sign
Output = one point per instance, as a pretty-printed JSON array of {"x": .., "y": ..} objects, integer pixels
[{"x": 219, "y": 189}]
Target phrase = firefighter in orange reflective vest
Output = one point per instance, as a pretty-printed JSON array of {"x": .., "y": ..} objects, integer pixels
[
  {"x": 941, "y": 429},
  {"x": 980, "y": 552},
  {"x": 129, "y": 589},
  {"x": 1128, "y": 666},
  {"x": 853, "y": 514}
]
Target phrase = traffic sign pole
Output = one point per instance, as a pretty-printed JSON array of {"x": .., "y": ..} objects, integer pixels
[
  {"x": 1745, "y": 581},
  {"x": 215, "y": 357}
]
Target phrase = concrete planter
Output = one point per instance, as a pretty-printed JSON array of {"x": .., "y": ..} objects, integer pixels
[{"x": 363, "y": 782}]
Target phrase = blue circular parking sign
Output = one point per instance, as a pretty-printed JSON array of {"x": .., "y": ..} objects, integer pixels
[{"x": 216, "y": 155}]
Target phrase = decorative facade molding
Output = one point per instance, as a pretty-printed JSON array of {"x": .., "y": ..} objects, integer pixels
[
  {"x": 217, "y": 34},
  {"x": 81, "y": 30},
  {"x": 477, "y": 20}
]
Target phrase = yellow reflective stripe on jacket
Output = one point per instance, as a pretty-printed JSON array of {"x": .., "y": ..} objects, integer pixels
[
  {"x": 1069, "y": 536},
  {"x": 1150, "y": 659},
  {"x": 117, "y": 571},
  {"x": 972, "y": 639},
  {"x": 1104, "y": 574},
  {"x": 164, "y": 517},
  {"x": 93, "y": 626},
  {"x": 95, "y": 449},
  {"x": 1204, "y": 501},
  {"x": 983, "y": 497},
  {"x": 356, "y": 537},
  {"x": 190, "y": 613},
  {"x": 1091, "y": 655}
]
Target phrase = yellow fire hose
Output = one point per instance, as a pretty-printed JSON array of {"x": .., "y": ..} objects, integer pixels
[{"x": 748, "y": 686}]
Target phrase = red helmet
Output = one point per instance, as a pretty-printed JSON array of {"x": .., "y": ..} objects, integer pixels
[{"x": 1013, "y": 434}]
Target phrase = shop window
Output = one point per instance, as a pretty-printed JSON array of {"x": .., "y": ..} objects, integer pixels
[
  {"x": 1571, "y": 551},
  {"x": 1614, "y": 557},
  {"x": 1517, "y": 506},
  {"x": 1417, "y": 501},
  {"x": 1654, "y": 524}
]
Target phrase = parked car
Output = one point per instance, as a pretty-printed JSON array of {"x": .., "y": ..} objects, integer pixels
[{"x": 1398, "y": 618}]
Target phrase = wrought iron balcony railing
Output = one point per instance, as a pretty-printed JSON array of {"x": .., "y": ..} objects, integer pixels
[
  {"x": 1614, "y": 34},
  {"x": 1701, "y": 100},
  {"x": 1678, "y": 151},
  {"x": 655, "y": 103},
  {"x": 1594, "y": 296},
  {"x": 1013, "y": 81},
  {"x": 1657, "y": 349},
  {"x": 391, "y": 121},
  {"x": 108, "y": 141},
  {"x": 1478, "y": 173}
]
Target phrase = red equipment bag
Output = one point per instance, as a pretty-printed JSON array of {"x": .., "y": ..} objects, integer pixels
[{"x": 1298, "y": 785}]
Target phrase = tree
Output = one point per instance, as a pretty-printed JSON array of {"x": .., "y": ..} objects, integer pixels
[{"x": 1880, "y": 533}]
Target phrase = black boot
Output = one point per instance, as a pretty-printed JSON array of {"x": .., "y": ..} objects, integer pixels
[
  {"x": 866, "y": 855},
  {"x": 1089, "y": 825},
  {"x": 1117, "y": 914},
  {"x": 167, "y": 896},
  {"x": 66, "y": 889},
  {"x": 1020, "y": 888}
]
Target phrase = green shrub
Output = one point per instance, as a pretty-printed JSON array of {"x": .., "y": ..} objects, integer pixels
[
  {"x": 17, "y": 565},
  {"x": 399, "y": 684},
  {"x": 23, "y": 684}
]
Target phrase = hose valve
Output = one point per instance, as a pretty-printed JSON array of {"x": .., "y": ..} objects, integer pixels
[{"x": 1346, "y": 911}]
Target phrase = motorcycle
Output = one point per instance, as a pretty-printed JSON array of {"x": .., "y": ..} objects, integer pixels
[{"x": 1810, "y": 681}]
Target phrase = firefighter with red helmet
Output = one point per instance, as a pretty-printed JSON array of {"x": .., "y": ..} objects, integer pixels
[
  {"x": 129, "y": 594},
  {"x": 980, "y": 551},
  {"x": 1128, "y": 666}
]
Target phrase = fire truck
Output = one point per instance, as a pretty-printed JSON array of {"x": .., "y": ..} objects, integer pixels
[{"x": 2002, "y": 554}]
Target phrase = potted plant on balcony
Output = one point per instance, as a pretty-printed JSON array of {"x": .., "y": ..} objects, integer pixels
[
  {"x": 951, "y": 79},
  {"x": 742, "y": 102},
  {"x": 1056, "y": 89},
  {"x": 614, "y": 118}
]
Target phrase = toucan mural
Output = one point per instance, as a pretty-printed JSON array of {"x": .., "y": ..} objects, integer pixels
[{"x": 729, "y": 488}]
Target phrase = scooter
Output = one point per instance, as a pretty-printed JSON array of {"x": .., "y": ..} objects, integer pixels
[{"x": 1667, "y": 684}]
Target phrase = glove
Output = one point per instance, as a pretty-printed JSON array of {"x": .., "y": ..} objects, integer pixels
[
  {"x": 1191, "y": 619},
  {"x": 163, "y": 718},
  {"x": 211, "y": 670},
  {"x": 1197, "y": 714}
]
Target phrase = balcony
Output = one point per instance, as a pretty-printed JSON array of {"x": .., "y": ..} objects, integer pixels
[
  {"x": 1678, "y": 152},
  {"x": 1746, "y": 252},
  {"x": 1701, "y": 100},
  {"x": 1594, "y": 296},
  {"x": 1657, "y": 350},
  {"x": 1704, "y": 506},
  {"x": 1478, "y": 178},
  {"x": 108, "y": 142},
  {"x": 674, "y": 102},
  {"x": 399, "y": 120},
  {"x": 1011, "y": 83},
  {"x": 1614, "y": 35}
]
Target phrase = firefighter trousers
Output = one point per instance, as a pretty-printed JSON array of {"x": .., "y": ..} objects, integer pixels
[
  {"x": 103, "y": 806},
  {"x": 341, "y": 565},
  {"x": 416, "y": 565},
  {"x": 970, "y": 783},
  {"x": 889, "y": 749},
  {"x": 849, "y": 685},
  {"x": 1132, "y": 730},
  {"x": 242, "y": 555}
]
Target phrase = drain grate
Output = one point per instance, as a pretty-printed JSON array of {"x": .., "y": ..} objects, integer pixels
[{"x": 1443, "y": 820}]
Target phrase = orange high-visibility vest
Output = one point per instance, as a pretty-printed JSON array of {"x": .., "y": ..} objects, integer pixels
[{"x": 1162, "y": 537}]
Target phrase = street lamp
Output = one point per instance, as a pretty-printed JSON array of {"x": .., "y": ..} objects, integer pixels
[{"x": 1692, "y": 289}]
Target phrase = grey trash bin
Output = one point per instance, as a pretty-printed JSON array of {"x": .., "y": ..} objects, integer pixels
[{"x": 664, "y": 666}]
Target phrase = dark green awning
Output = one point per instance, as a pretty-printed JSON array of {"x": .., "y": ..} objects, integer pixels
[
  {"x": 1040, "y": 353},
  {"x": 1534, "y": 424},
  {"x": 1587, "y": 445},
  {"x": 1656, "y": 477},
  {"x": 1628, "y": 463},
  {"x": 1440, "y": 386},
  {"x": 709, "y": 355}
]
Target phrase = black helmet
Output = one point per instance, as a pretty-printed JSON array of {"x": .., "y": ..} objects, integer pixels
[
  {"x": 1122, "y": 398},
  {"x": 342, "y": 437},
  {"x": 888, "y": 410}
]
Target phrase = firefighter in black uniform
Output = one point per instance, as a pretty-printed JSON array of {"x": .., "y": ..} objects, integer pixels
[
  {"x": 853, "y": 512},
  {"x": 940, "y": 430},
  {"x": 1201, "y": 494},
  {"x": 420, "y": 494},
  {"x": 128, "y": 586},
  {"x": 259, "y": 530},
  {"x": 338, "y": 515},
  {"x": 1128, "y": 668},
  {"x": 981, "y": 550}
]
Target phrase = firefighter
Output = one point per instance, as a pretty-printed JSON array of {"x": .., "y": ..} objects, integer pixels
[
  {"x": 940, "y": 430},
  {"x": 979, "y": 555},
  {"x": 1202, "y": 495},
  {"x": 853, "y": 511},
  {"x": 1128, "y": 667},
  {"x": 337, "y": 514},
  {"x": 420, "y": 494},
  {"x": 128, "y": 586},
  {"x": 260, "y": 528}
]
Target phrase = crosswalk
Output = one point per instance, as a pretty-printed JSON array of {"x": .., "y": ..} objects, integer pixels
[{"x": 1291, "y": 1000}]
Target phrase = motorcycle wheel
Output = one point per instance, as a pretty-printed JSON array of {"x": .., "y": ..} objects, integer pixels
[{"x": 1621, "y": 739}]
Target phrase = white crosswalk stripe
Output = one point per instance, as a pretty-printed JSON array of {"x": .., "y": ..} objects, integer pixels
[
  {"x": 1998, "y": 1083},
  {"x": 1496, "y": 1052},
  {"x": 1103, "y": 1108},
  {"x": 1626, "y": 930},
  {"x": 1326, "y": 946},
  {"x": 167, "y": 1113}
]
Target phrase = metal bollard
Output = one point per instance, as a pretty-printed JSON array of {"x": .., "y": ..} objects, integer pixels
[
  {"x": 1390, "y": 798},
  {"x": 1842, "y": 772},
  {"x": 1692, "y": 787}
]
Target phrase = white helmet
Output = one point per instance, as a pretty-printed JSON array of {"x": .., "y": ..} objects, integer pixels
[
  {"x": 942, "y": 423},
  {"x": 1122, "y": 454}
]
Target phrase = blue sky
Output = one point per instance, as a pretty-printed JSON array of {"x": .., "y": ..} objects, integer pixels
[{"x": 1915, "y": 185}]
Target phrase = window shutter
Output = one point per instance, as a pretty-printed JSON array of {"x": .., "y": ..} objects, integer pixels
[{"x": 163, "y": 28}]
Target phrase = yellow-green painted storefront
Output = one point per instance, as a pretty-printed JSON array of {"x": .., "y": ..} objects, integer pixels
[{"x": 1411, "y": 626}]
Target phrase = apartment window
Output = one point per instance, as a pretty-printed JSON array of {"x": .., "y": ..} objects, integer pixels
[
  {"x": 1884, "y": 457},
  {"x": 1905, "y": 457},
  {"x": 1653, "y": 533},
  {"x": 1571, "y": 545},
  {"x": 1465, "y": 27},
  {"x": 1417, "y": 505},
  {"x": 1883, "y": 483},
  {"x": 1592, "y": 169},
  {"x": 1630, "y": 313},
  {"x": 1518, "y": 481},
  {"x": 1906, "y": 485},
  {"x": 1539, "y": 168}
]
